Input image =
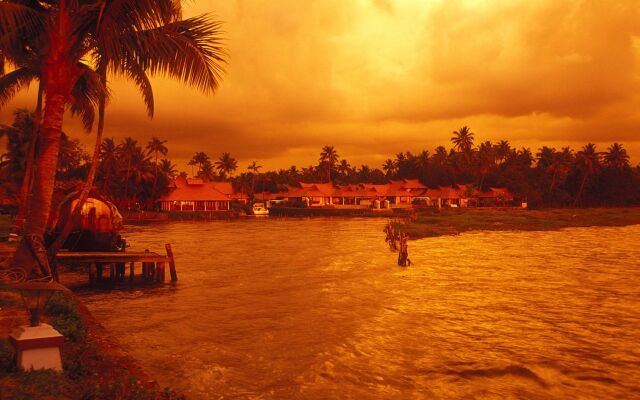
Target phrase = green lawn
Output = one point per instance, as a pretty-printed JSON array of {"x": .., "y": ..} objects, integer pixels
[{"x": 430, "y": 223}]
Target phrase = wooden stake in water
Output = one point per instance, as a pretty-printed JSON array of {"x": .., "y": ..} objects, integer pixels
[{"x": 172, "y": 263}]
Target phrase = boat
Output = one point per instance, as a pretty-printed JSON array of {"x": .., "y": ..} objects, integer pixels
[
  {"x": 260, "y": 209},
  {"x": 97, "y": 228}
]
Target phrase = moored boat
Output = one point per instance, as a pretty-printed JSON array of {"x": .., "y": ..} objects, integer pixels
[{"x": 260, "y": 209}]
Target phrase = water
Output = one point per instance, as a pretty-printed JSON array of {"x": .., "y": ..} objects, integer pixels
[{"x": 317, "y": 309}]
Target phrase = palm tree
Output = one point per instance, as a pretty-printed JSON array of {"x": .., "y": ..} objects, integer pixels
[
  {"x": 200, "y": 159},
  {"x": 155, "y": 147},
  {"x": 168, "y": 169},
  {"x": 108, "y": 153},
  {"x": 83, "y": 98},
  {"x": 545, "y": 157},
  {"x": 253, "y": 168},
  {"x": 486, "y": 160},
  {"x": 389, "y": 167},
  {"x": 120, "y": 36},
  {"x": 207, "y": 171},
  {"x": 463, "y": 142},
  {"x": 422, "y": 163},
  {"x": 503, "y": 148},
  {"x": 226, "y": 165},
  {"x": 344, "y": 169},
  {"x": 560, "y": 166},
  {"x": 128, "y": 152},
  {"x": 329, "y": 158},
  {"x": 616, "y": 157},
  {"x": 588, "y": 163}
]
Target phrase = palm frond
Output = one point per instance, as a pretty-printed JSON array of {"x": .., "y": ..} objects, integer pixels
[
  {"x": 85, "y": 96},
  {"x": 190, "y": 50},
  {"x": 18, "y": 22},
  {"x": 138, "y": 75},
  {"x": 113, "y": 18},
  {"x": 13, "y": 82}
]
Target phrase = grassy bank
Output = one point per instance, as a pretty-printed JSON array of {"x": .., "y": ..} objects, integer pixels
[
  {"x": 430, "y": 223},
  {"x": 94, "y": 366}
]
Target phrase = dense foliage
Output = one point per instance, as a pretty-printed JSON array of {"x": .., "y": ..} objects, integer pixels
[{"x": 135, "y": 174}]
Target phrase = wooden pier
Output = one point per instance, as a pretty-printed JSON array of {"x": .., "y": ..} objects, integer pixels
[{"x": 152, "y": 265}]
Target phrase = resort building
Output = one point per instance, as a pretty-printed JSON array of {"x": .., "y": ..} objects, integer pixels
[
  {"x": 313, "y": 194},
  {"x": 396, "y": 194},
  {"x": 200, "y": 195},
  {"x": 404, "y": 192}
]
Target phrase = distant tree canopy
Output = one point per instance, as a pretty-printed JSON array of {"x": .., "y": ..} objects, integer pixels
[{"x": 136, "y": 175}]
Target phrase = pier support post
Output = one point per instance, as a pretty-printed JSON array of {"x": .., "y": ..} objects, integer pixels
[
  {"x": 92, "y": 274},
  {"x": 131, "y": 272},
  {"x": 172, "y": 263}
]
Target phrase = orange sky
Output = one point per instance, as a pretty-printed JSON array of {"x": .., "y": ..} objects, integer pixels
[{"x": 374, "y": 77}]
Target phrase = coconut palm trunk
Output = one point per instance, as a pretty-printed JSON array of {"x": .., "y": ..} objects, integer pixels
[
  {"x": 581, "y": 190},
  {"x": 88, "y": 185},
  {"x": 31, "y": 251},
  {"x": 29, "y": 168}
]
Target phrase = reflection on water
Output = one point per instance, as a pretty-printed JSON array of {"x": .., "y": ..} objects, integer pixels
[{"x": 317, "y": 309}]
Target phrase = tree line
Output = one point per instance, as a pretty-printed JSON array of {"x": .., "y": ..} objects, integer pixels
[{"x": 135, "y": 175}]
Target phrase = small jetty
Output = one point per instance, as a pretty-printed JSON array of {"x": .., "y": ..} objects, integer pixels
[{"x": 152, "y": 266}]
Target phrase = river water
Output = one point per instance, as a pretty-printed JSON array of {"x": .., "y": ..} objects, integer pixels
[{"x": 318, "y": 309}]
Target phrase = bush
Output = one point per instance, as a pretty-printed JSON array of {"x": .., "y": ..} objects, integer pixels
[
  {"x": 7, "y": 356},
  {"x": 65, "y": 317}
]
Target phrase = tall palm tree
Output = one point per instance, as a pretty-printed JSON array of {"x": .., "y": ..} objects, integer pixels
[
  {"x": 108, "y": 153},
  {"x": 389, "y": 167},
  {"x": 485, "y": 160},
  {"x": 344, "y": 168},
  {"x": 422, "y": 163},
  {"x": 463, "y": 141},
  {"x": 84, "y": 96},
  {"x": 616, "y": 157},
  {"x": 545, "y": 156},
  {"x": 254, "y": 169},
  {"x": 207, "y": 171},
  {"x": 156, "y": 147},
  {"x": 119, "y": 35},
  {"x": 503, "y": 148},
  {"x": 200, "y": 158},
  {"x": 168, "y": 169},
  {"x": 128, "y": 152},
  {"x": 226, "y": 165},
  {"x": 588, "y": 163},
  {"x": 560, "y": 166},
  {"x": 329, "y": 158}
]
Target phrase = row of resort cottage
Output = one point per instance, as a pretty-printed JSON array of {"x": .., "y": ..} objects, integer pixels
[{"x": 199, "y": 195}]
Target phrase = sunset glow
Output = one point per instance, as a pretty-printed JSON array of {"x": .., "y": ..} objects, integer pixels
[{"x": 376, "y": 77}]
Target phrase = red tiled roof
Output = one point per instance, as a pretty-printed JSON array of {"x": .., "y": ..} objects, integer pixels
[
  {"x": 199, "y": 190},
  {"x": 432, "y": 193},
  {"x": 406, "y": 188},
  {"x": 412, "y": 184},
  {"x": 447, "y": 192},
  {"x": 312, "y": 190}
]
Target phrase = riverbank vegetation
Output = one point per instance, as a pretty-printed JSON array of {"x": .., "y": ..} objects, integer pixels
[
  {"x": 136, "y": 174},
  {"x": 428, "y": 223},
  {"x": 94, "y": 367}
]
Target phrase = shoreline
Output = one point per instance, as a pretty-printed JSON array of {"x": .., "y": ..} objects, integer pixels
[
  {"x": 95, "y": 365},
  {"x": 448, "y": 222}
]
